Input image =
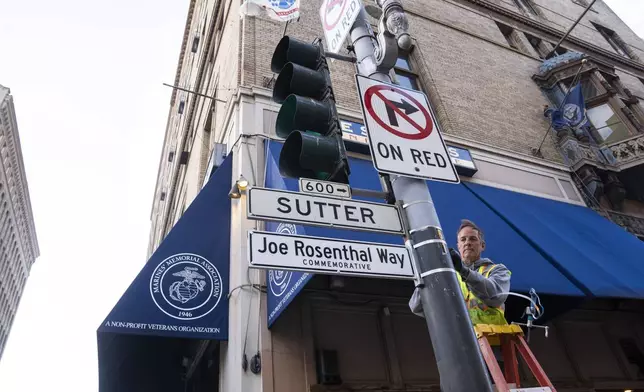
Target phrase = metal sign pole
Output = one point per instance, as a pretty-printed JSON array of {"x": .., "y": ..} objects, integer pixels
[{"x": 460, "y": 363}]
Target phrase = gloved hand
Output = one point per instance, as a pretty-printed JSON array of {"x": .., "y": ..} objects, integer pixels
[{"x": 458, "y": 263}]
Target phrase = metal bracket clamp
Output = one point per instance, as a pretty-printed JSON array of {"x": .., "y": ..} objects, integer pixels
[
  {"x": 387, "y": 49},
  {"x": 403, "y": 218},
  {"x": 433, "y": 232},
  {"x": 418, "y": 281},
  {"x": 432, "y": 241},
  {"x": 412, "y": 203}
]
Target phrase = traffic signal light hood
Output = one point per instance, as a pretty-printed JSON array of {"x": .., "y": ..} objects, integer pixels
[
  {"x": 306, "y": 114},
  {"x": 308, "y": 117},
  {"x": 292, "y": 50},
  {"x": 296, "y": 79}
]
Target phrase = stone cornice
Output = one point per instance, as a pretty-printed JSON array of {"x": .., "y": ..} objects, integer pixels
[
  {"x": 587, "y": 46},
  {"x": 184, "y": 44},
  {"x": 570, "y": 69},
  {"x": 177, "y": 78}
]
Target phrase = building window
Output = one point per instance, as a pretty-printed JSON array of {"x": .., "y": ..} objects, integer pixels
[
  {"x": 555, "y": 94},
  {"x": 404, "y": 74},
  {"x": 588, "y": 88},
  {"x": 526, "y": 6},
  {"x": 560, "y": 50},
  {"x": 195, "y": 43},
  {"x": 614, "y": 40},
  {"x": 207, "y": 126},
  {"x": 583, "y": 3},
  {"x": 509, "y": 34},
  {"x": 608, "y": 127},
  {"x": 544, "y": 49},
  {"x": 538, "y": 45},
  {"x": 606, "y": 124}
]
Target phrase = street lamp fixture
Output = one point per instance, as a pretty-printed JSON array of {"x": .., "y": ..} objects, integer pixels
[{"x": 242, "y": 183}]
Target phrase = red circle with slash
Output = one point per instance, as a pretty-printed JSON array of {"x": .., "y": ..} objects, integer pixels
[
  {"x": 376, "y": 91},
  {"x": 329, "y": 6}
]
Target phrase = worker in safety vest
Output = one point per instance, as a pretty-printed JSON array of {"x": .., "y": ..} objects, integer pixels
[{"x": 484, "y": 284}]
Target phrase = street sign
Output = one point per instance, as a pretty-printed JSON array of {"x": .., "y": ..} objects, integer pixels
[
  {"x": 268, "y": 250},
  {"x": 404, "y": 135},
  {"x": 286, "y": 206},
  {"x": 318, "y": 187},
  {"x": 337, "y": 18}
]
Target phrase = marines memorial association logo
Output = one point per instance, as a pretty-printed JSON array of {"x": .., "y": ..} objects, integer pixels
[
  {"x": 186, "y": 286},
  {"x": 574, "y": 115},
  {"x": 278, "y": 279}
]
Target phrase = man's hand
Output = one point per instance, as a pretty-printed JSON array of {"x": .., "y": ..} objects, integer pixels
[{"x": 458, "y": 263}]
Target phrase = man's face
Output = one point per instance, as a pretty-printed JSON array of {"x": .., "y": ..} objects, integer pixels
[{"x": 470, "y": 245}]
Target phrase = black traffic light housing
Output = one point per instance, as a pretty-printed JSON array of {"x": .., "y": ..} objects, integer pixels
[{"x": 308, "y": 118}]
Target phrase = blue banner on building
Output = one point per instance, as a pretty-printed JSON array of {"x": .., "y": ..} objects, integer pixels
[
  {"x": 461, "y": 157},
  {"x": 283, "y": 286},
  {"x": 181, "y": 290},
  {"x": 572, "y": 112},
  {"x": 354, "y": 132}
]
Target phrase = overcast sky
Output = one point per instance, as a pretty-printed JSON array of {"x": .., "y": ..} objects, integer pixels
[{"x": 87, "y": 79}]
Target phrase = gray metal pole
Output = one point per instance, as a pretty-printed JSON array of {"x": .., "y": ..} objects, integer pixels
[
  {"x": 460, "y": 363},
  {"x": 570, "y": 29}
]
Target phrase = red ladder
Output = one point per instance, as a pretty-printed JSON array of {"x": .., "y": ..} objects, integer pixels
[{"x": 510, "y": 337}]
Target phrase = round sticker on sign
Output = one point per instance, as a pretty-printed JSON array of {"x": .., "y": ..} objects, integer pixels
[
  {"x": 278, "y": 279},
  {"x": 399, "y": 106}
]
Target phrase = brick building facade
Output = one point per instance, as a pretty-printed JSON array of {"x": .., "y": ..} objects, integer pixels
[{"x": 485, "y": 66}]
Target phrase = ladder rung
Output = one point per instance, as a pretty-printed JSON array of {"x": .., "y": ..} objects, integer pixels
[
  {"x": 512, "y": 343},
  {"x": 491, "y": 329}
]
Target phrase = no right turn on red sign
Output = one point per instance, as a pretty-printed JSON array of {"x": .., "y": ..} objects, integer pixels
[
  {"x": 404, "y": 136},
  {"x": 337, "y": 17}
]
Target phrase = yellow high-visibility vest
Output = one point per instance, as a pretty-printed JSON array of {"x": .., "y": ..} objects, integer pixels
[{"x": 479, "y": 312}]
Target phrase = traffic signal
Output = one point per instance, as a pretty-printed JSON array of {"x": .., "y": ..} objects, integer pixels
[{"x": 308, "y": 118}]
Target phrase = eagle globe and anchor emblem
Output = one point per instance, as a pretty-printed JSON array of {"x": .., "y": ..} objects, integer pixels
[
  {"x": 574, "y": 115},
  {"x": 186, "y": 286}
]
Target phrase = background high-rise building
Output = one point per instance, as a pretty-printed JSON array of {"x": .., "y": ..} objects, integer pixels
[{"x": 18, "y": 242}]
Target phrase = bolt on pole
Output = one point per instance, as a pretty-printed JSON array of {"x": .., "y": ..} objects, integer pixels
[{"x": 460, "y": 364}]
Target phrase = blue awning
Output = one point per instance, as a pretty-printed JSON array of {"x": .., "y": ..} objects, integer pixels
[
  {"x": 503, "y": 244},
  {"x": 180, "y": 294},
  {"x": 599, "y": 256},
  {"x": 530, "y": 268}
]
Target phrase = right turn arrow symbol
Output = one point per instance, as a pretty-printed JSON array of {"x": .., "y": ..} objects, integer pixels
[{"x": 402, "y": 105}]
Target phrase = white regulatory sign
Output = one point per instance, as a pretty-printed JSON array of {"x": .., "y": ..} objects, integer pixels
[
  {"x": 337, "y": 18},
  {"x": 286, "y": 206},
  {"x": 404, "y": 135},
  {"x": 318, "y": 187},
  {"x": 332, "y": 256}
]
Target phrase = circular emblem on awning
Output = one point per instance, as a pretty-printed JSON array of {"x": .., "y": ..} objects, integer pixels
[{"x": 186, "y": 286}]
